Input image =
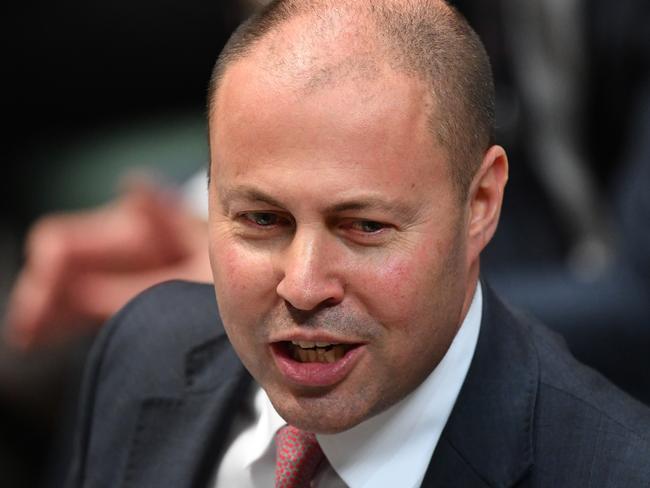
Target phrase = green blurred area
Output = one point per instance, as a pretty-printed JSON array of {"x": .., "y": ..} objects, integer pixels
[{"x": 88, "y": 170}]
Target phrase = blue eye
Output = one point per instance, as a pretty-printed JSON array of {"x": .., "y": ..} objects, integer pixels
[
  {"x": 368, "y": 226},
  {"x": 263, "y": 219}
]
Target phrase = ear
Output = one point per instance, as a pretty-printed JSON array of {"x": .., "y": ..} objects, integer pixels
[{"x": 485, "y": 199}]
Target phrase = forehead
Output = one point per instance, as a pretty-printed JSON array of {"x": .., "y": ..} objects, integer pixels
[
  {"x": 322, "y": 106},
  {"x": 269, "y": 107},
  {"x": 322, "y": 50}
]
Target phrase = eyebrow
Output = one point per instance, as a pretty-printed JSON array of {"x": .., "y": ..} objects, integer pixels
[
  {"x": 246, "y": 193},
  {"x": 373, "y": 203},
  {"x": 369, "y": 202}
]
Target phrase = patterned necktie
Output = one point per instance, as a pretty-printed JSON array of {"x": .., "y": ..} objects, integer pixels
[{"x": 297, "y": 457}]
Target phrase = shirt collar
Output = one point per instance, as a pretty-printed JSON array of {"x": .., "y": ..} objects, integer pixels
[
  {"x": 264, "y": 430},
  {"x": 394, "y": 447}
]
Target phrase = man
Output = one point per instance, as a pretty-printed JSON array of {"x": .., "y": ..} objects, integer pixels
[{"x": 354, "y": 184}]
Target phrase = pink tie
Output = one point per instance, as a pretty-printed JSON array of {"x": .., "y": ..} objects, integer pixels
[{"x": 297, "y": 457}]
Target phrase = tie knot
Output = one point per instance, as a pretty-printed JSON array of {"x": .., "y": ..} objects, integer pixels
[{"x": 297, "y": 457}]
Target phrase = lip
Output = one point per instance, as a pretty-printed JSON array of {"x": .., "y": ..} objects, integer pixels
[
  {"x": 313, "y": 336},
  {"x": 315, "y": 375}
]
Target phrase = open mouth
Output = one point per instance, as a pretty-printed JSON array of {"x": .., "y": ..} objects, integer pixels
[
  {"x": 315, "y": 352},
  {"x": 316, "y": 364}
]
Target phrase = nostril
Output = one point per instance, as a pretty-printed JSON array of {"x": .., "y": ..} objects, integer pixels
[
  {"x": 303, "y": 317},
  {"x": 310, "y": 297},
  {"x": 299, "y": 316}
]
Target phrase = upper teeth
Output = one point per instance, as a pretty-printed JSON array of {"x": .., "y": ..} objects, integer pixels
[{"x": 310, "y": 345}]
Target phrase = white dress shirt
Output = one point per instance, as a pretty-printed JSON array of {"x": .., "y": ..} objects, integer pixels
[{"x": 391, "y": 449}]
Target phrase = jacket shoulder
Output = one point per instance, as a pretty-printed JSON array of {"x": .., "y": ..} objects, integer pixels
[
  {"x": 141, "y": 353},
  {"x": 149, "y": 338},
  {"x": 585, "y": 426}
]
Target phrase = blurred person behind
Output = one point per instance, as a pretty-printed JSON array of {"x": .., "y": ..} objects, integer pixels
[
  {"x": 81, "y": 267},
  {"x": 573, "y": 85}
]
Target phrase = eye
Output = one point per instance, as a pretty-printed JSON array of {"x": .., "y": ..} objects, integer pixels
[
  {"x": 264, "y": 219},
  {"x": 367, "y": 226},
  {"x": 366, "y": 232}
]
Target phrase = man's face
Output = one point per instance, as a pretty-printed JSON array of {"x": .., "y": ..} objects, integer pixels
[{"x": 337, "y": 242}]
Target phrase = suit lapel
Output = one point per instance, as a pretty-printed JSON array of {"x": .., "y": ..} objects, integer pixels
[
  {"x": 178, "y": 440},
  {"x": 488, "y": 439}
]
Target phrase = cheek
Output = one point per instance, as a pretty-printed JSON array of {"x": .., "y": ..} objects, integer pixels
[
  {"x": 244, "y": 290},
  {"x": 396, "y": 280},
  {"x": 241, "y": 277},
  {"x": 393, "y": 289}
]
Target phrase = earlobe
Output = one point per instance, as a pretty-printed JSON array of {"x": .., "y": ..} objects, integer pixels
[{"x": 486, "y": 197}]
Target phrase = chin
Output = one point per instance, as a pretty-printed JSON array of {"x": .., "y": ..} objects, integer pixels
[
  {"x": 322, "y": 414},
  {"x": 319, "y": 424}
]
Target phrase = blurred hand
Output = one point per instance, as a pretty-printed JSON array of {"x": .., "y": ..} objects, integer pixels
[{"x": 82, "y": 267}]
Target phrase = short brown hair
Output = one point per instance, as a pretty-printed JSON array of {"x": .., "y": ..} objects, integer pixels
[{"x": 428, "y": 38}]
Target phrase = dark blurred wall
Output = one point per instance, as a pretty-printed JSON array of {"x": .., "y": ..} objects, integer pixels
[{"x": 73, "y": 66}]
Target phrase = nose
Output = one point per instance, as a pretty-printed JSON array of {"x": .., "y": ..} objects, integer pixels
[{"x": 309, "y": 273}]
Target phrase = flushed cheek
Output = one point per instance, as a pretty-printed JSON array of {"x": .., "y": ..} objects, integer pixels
[
  {"x": 240, "y": 288},
  {"x": 244, "y": 280},
  {"x": 390, "y": 289},
  {"x": 241, "y": 270}
]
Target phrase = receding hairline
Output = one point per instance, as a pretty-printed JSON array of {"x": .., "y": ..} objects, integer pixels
[
  {"x": 427, "y": 39},
  {"x": 365, "y": 15}
]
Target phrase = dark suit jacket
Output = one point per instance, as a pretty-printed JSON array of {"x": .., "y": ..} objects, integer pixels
[{"x": 163, "y": 383}]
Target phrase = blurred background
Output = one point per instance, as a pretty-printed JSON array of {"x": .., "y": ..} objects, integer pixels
[{"x": 104, "y": 154}]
